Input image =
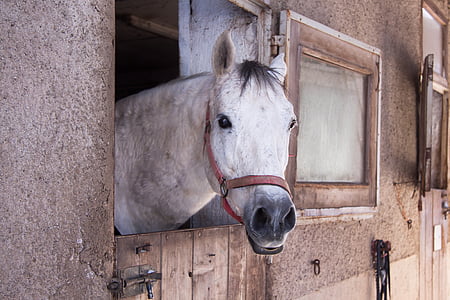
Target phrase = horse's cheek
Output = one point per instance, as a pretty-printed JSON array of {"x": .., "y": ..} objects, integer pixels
[{"x": 241, "y": 198}]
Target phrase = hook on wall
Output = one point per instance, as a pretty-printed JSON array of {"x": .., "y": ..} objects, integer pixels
[{"x": 316, "y": 264}]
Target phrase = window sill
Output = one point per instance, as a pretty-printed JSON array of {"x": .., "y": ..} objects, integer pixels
[
  {"x": 440, "y": 83},
  {"x": 321, "y": 215}
]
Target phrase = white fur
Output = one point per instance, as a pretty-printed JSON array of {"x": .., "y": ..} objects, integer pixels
[
  {"x": 162, "y": 174},
  {"x": 279, "y": 66},
  {"x": 258, "y": 142}
]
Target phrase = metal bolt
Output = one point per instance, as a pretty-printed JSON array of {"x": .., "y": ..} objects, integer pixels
[{"x": 114, "y": 285}]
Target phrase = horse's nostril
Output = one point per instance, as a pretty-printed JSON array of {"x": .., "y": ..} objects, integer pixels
[
  {"x": 289, "y": 219},
  {"x": 260, "y": 219},
  {"x": 265, "y": 220}
]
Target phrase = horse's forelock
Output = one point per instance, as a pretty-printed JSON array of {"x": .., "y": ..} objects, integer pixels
[{"x": 264, "y": 76}]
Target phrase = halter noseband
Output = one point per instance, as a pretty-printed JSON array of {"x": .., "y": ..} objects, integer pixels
[{"x": 228, "y": 184}]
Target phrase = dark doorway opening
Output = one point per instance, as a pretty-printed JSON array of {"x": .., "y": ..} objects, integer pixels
[{"x": 147, "y": 51}]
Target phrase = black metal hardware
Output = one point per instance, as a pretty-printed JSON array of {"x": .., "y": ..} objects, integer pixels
[
  {"x": 316, "y": 264},
  {"x": 134, "y": 281},
  {"x": 143, "y": 249},
  {"x": 149, "y": 287},
  {"x": 445, "y": 209},
  {"x": 380, "y": 254},
  {"x": 409, "y": 222},
  {"x": 114, "y": 285}
]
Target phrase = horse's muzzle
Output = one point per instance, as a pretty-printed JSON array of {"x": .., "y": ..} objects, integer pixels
[
  {"x": 264, "y": 251},
  {"x": 269, "y": 221}
]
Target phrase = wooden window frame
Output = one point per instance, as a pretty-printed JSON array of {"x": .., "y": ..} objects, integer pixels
[
  {"x": 306, "y": 37},
  {"x": 433, "y": 82},
  {"x": 440, "y": 82},
  {"x": 264, "y": 13}
]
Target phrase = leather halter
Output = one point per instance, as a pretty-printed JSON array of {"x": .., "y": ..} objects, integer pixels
[{"x": 228, "y": 184}]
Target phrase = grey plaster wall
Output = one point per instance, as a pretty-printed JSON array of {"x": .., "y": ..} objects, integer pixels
[
  {"x": 343, "y": 247},
  {"x": 56, "y": 148}
]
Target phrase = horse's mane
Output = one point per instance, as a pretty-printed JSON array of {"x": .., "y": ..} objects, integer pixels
[{"x": 261, "y": 74}]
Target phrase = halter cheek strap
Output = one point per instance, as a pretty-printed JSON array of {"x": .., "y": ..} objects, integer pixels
[{"x": 226, "y": 185}]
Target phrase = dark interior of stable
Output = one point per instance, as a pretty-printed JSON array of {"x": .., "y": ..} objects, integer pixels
[{"x": 146, "y": 44}]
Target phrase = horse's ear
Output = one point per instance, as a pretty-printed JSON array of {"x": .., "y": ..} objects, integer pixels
[
  {"x": 279, "y": 66},
  {"x": 223, "y": 54}
]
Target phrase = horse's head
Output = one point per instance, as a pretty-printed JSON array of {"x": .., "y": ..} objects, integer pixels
[{"x": 250, "y": 124}]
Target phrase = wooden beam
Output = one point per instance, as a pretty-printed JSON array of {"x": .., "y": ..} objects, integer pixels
[
  {"x": 158, "y": 28},
  {"x": 253, "y": 6}
]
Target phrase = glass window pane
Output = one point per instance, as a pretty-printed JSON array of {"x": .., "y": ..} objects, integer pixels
[
  {"x": 432, "y": 40},
  {"x": 331, "y": 140}
]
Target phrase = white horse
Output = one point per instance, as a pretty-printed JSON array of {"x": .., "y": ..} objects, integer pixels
[{"x": 179, "y": 144}]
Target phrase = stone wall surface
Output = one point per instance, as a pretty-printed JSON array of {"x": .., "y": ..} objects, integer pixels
[
  {"x": 404, "y": 280},
  {"x": 56, "y": 148}
]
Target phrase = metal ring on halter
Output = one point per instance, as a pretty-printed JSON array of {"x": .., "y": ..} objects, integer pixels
[{"x": 223, "y": 188}]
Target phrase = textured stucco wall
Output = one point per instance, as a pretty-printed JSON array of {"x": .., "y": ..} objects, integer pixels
[
  {"x": 343, "y": 246},
  {"x": 404, "y": 280},
  {"x": 56, "y": 148}
]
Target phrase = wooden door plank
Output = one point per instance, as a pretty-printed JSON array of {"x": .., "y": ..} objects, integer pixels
[
  {"x": 256, "y": 275},
  {"x": 422, "y": 260},
  {"x": 210, "y": 264},
  {"x": 445, "y": 260},
  {"x": 237, "y": 262},
  {"x": 433, "y": 269},
  {"x": 152, "y": 257},
  {"x": 125, "y": 245},
  {"x": 439, "y": 261},
  {"x": 127, "y": 256},
  {"x": 176, "y": 260},
  {"x": 445, "y": 267},
  {"x": 436, "y": 254},
  {"x": 436, "y": 284},
  {"x": 428, "y": 241}
]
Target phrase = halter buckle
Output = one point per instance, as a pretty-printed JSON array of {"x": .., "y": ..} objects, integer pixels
[{"x": 223, "y": 188}]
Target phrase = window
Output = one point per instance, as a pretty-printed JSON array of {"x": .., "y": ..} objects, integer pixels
[
  {"x": 331, "y": 137},
  {"x": 333, "y": 83},
  {"x": 433, "y": 102},
  {"x": 434, "y": 41}
]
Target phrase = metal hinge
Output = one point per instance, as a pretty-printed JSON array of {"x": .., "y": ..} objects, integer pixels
[
  {"x": 134, "y": 281},
  {"x": 276, "y": 42}
]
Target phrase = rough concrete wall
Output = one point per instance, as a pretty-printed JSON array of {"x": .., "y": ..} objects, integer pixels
[
  {"x": 404, "y": 278},
  {"x": 343, "y": 247},
  {"x": 56, "y": 149}
]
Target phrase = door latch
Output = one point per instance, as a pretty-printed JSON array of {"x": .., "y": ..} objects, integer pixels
[
  {"x": 445, "y": 209},
  {"x": 134, "y": 281}
]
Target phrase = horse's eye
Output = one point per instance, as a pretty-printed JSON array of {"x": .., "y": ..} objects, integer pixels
[
  {"x": 224, "y": 122},
  {"x": 293, "y": 124}
]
